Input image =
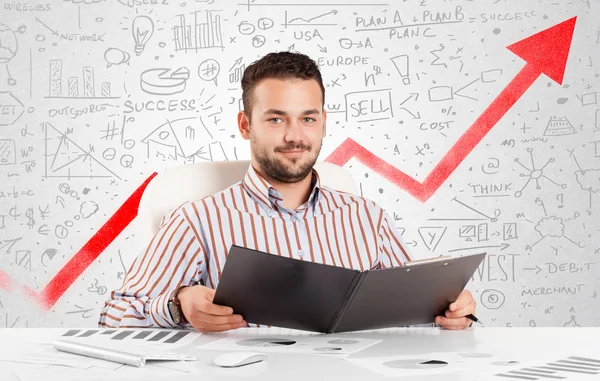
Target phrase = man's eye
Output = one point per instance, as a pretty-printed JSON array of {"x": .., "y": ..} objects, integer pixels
[
  {"x": 309, "y": 120},
  {"x": 274, "y": 119}
]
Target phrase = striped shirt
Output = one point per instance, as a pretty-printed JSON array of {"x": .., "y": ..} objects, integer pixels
[{"x": 191, "y": 246}]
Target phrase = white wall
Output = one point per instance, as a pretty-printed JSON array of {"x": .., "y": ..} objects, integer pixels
[{"x": 82, "y": 126}]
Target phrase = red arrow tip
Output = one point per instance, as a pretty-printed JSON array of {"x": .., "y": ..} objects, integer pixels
[{"x": 548, "y": 50}]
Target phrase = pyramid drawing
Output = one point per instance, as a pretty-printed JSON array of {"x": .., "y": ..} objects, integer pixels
[
  {"x": 65, "y": 158},
  {"x": 559, "y": 127}
]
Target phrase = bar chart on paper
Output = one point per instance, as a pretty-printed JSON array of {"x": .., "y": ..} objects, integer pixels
[
  {"x": 564, "y": 369},
  {"x": 166, "y": 337}
]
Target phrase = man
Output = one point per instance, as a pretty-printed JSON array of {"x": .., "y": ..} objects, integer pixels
[{"x": 280, "y": 207}]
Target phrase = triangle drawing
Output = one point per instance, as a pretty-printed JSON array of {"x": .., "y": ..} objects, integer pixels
[
  {"x": 432, "y": 236},
  {"x": 65, "y": 158},
  {"x": 559, "y": 126}
]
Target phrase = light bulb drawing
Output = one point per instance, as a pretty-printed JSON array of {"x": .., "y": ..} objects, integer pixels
[{"x": 142, "y": 29}]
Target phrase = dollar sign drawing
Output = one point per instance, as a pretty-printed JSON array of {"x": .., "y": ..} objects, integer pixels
[{"x": 30, "y": 220}]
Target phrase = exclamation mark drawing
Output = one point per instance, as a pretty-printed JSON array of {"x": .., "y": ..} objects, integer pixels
[{"x": 401, "y": 63}]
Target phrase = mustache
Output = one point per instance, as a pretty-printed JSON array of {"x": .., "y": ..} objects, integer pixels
[{"x": 293, "y": 147}]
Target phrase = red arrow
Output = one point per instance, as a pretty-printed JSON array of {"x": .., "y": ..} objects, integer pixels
[
  {"x": 545, "y": 52},
  {"x": 87, "y": 254}
]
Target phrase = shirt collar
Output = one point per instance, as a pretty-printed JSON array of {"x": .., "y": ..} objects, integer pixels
[{"x": 268, "y": 197}]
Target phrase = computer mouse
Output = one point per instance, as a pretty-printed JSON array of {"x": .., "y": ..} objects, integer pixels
[{"x": 235, "y": 359}]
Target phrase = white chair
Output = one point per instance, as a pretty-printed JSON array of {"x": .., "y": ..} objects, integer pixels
[{"x": 191, "y": 182}]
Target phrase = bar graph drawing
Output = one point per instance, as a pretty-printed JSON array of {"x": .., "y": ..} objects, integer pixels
[
  {"x": 83, "y": 87},
  {"x": 199, "y": 34}
]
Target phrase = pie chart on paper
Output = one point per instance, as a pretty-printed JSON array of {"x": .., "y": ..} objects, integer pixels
[
  {"x": 266, "y": 342},
  {"x": 415, "y": 364}
]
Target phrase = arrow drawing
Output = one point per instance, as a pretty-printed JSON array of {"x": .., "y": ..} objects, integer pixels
[
  {"x": 503, "y": 246},
  {"x": 545, "y": 52},
  {"x": 86, "y": 255}
]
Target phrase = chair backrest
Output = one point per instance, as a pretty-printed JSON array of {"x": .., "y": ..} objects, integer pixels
[{"x": 191, "y": 182}]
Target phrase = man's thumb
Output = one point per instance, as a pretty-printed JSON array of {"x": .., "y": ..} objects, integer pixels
[{"x": 210, "y": 294}]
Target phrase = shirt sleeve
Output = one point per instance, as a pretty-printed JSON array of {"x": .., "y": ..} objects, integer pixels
[
  {"x": 392, "y": 249},
  {"x": 173, "y": 258}
]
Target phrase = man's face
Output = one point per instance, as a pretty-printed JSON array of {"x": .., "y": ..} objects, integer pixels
[{"x": 287, "y": 127}]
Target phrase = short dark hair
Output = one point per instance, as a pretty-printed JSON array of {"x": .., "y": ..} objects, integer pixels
[{"x": 278, "y": 65}]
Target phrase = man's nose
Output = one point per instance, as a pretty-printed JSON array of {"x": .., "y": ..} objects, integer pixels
[{"x": 293, "y": 132}]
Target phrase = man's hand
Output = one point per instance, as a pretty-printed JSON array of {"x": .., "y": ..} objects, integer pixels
[
  {"x": 455, "y": 315},
  {"x": 198, "y": 308}
]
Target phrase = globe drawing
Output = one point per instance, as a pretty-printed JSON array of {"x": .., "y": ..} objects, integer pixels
[{"x": 8, "y": 44}]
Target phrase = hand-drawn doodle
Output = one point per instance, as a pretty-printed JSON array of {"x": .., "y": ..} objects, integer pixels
[
  {"x": 208, "y": 70},
  {"x": 410, "y": 89},
  {"x": 402, "y": 65},
  {"x": 199, "y": 35},
  {"x": 50, "y": 254},
  {"x": 11, "y": 108},
  {"x": 559, "y": 127},
  {"x": 9, "y": 45},
  {"x": 551, "y": 226},
  {"x": 492, "y": 299},
  {"x": 178, "y": 138},
  {"x": 114, "y": 56},
  {"x": 588, "y": 99},
  {"x": 142, "y": 29},
  {"x": 316, "y": 20},
  {"x": 8, "y": 153},
  {"x": 68, "y": 274},
  {"x": 65, "y": 158},
  {"x": 545, "y": 43},
  {"x": 164, "y": 81},
  {"x": 73, "y": 84},
  {"x": 535, "y": 174}
]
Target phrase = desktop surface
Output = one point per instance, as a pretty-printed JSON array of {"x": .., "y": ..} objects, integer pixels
[{"x": 486, "y": 347}]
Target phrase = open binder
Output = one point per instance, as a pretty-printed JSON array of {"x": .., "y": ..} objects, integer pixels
[{"x": 291, "y": 293}]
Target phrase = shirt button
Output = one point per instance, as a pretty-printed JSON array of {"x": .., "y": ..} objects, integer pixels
[{"x": 300, "y": 252}]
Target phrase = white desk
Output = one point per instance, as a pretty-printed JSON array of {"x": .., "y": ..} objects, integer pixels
[{"x": 551, "y": 343}]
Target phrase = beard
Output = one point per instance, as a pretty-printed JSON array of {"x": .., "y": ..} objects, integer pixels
[{"x": 282, "y": 170}]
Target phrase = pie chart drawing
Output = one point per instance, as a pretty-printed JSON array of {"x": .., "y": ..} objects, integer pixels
[
  {"x": 415, "y": 364},
  {"x": 266, "y": 342},
  {"x": 343, "y": 342}
]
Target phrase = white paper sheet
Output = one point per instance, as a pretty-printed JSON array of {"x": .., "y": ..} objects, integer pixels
[
  {"x": 164, "y": 338},
  {"x": 438, "y": 362},
  {"x": 35, "y": 358},
  {"x": 45, "y": 354},
  {"x": 150, "y": 371},
  {"x": 288, "y": 341}
]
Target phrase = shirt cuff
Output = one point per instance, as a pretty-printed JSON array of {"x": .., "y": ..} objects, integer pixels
[{"x": 159, "y": 311}]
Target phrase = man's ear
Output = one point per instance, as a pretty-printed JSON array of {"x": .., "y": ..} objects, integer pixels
[
  {"x": 324, "y": 123},
  {"x": 244, "y": 124}
]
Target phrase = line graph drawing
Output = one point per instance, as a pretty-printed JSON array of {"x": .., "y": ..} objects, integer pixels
[{"x": 308, "y": 21}]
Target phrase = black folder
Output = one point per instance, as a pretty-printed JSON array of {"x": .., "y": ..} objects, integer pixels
[{"x": 272, "y": 290}]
